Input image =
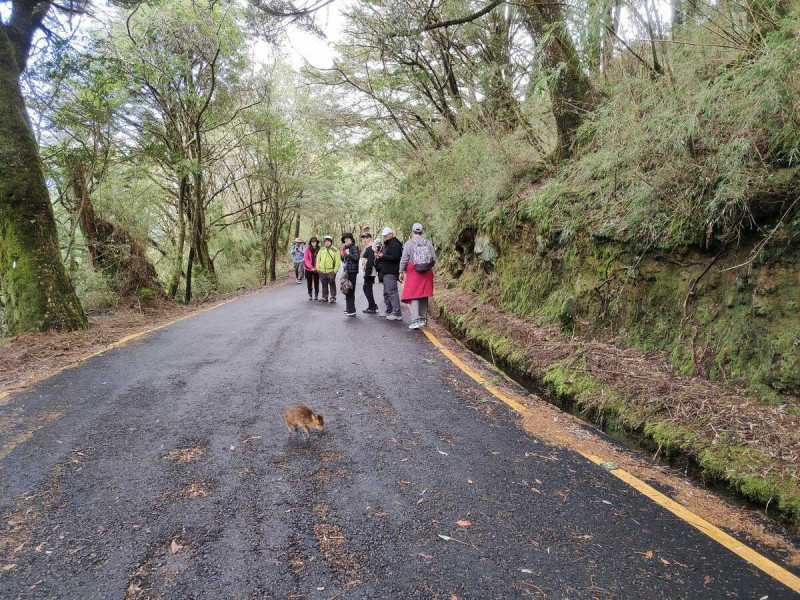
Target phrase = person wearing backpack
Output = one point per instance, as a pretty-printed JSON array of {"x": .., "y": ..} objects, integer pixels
[
  {"x": 350, "y": 258},
  {"x": 328, "y": 263},
  {"x": 416, "y": 274}
]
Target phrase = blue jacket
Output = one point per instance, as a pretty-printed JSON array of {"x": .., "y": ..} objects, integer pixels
[{"x": 298, "y": 252}]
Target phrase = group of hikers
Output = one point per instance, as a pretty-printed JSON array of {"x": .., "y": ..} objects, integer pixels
[{"x": 388, "y": 260}]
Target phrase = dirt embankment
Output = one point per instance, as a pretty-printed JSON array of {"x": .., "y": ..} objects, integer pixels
[
  {"x": 29, "y": 358},
  {"x": 717, "y": 430}
]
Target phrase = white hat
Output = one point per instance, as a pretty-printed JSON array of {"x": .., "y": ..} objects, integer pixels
[
  {"x": 416, "y": 228},
  {"x": 327, "y": 237},
  {"x": 387, "y": 231}
]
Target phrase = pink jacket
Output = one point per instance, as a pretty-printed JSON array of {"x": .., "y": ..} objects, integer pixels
[{"x": 309, "y": 261}]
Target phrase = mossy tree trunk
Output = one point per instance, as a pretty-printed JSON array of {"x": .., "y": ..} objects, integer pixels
[
  {"x": 178, "y": 268},
  {"x": 34, "y": 288},
  {"x": 569, "y": 87}
]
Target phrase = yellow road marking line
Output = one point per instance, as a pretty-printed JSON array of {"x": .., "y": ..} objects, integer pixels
[{"x": 715, "y": 533}]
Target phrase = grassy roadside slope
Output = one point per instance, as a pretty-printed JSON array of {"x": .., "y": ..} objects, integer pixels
[{"x": 670, "y": 240}]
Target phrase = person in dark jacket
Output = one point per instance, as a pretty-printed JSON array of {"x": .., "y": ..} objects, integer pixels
[
  {"x": 310, "y": 267},
  {"x": 390, "y": 257},
  {"x": 368, "y": 272},
  {"x": 350, "y": 258}
]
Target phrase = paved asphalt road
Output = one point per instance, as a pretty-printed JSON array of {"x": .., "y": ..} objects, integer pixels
[{"x": 163, "y": 470}]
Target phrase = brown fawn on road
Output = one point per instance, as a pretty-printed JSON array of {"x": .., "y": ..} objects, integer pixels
[{"x": 303, "y": 418}]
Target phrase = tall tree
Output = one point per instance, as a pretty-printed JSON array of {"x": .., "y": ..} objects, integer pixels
[
  {"x": 34, "y": 288},
  {"x": 568, "y": 84},
  {"x": 185, "y": 58}
]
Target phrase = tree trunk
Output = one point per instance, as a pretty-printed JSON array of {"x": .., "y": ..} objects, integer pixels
[
  {"x": 199, "y": 239},
  {"x": 297, "y": 225},
  {"x": 35, "y": 291},
  {"x": 176, "y": 273},
  {"x": 570, "y": 89},
  {"x": 500, "y": 94},
  {"x": 190, "y": 264},
  {"x": 276, "y": 231}
]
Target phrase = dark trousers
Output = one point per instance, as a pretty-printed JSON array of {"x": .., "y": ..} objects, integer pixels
[
  {"x": 328, "y": 281},
  {"x": 391, "y": 295},
  {"x": 368, "y": 283},
  {"x": 312, "y": 278},
  {"x": 350, "y": 299}
]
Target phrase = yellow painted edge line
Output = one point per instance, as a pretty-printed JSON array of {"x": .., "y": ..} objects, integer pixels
[
  {"x": 120, "y": 342},
  {"x": 715, "y": 533}
]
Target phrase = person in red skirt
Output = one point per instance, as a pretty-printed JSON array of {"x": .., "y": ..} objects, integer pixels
[{"x": 416, "y": 274}]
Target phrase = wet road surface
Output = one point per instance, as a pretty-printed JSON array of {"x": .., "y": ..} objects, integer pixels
[{"x": 163, "y": 470}]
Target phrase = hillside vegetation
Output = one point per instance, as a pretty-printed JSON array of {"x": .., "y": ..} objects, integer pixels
[{"x": 674, "y": 227}]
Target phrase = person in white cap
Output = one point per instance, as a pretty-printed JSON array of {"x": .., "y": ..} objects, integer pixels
[
  {"x": 416, "y": 274},
  {"x": 389, "y": 257}
]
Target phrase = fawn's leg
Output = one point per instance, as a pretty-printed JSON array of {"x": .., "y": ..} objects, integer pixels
[{"x": 308, "y": 433}]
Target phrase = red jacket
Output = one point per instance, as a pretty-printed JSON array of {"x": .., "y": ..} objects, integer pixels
[
  {"x": 417, "y": 285},
  {"x": 309, "y": 259}
]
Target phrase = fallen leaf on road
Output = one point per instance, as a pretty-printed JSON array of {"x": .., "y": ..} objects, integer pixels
[
  {"x": 453, "y": 597},
  {"x": 421, "y": 500},
  {"x": 583, "y": 537},
  {"x": 464, "y": 523},
  {"x": 665, "y": 561},
  {"x": 8, "y": 567},
  {"x": 442, "y": 453},
  {"x": 707, "y": 579},
  {"x": 605, "y": 501},
  {"x": 528, "y": 571},
  {"x": 469, "y": 481},
  {"x": 426, "y": 556},
  {"x": 648, "y": 555},
  {"x": 533, "y": 489},
  {"x": 447, "y": 538},
  {"x": 175, "y": 547}
]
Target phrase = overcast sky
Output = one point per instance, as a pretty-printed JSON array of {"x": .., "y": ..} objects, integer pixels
[{"x": 302, "y": 46}]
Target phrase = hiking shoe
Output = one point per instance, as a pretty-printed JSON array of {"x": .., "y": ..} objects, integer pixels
[
  {"x": 394, "y": 318},
  {"x": 370, "y": 311},
  {"x": 383, "y": 314},
  {"x": 417, "y": 324},
  {"x": 333, "y": 300},
  {"x": 325, "y": 300},
  {"x": 352, "y": 314},
  {"x": 310, "y": 299}
]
